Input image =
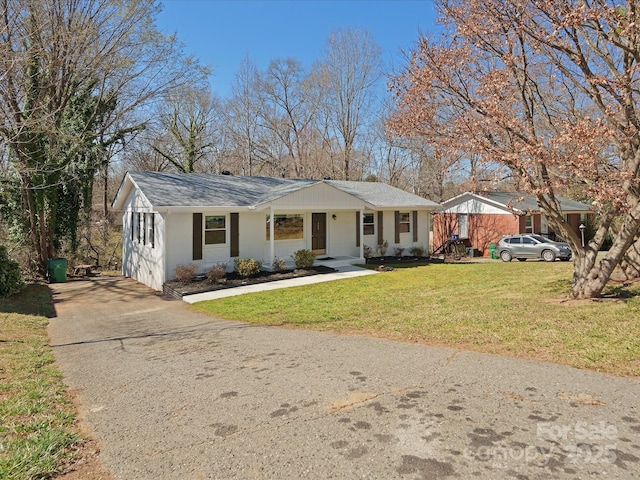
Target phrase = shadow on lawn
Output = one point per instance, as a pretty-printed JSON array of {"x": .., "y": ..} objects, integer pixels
[{"x": 33, "y": 299}]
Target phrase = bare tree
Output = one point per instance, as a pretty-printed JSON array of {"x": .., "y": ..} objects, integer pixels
[
  {"x": 548, "y": 89},
  {"x": 187, "y": 117},
  {"x": 349, "y": 74},
  {"x": 288, "y": 109},
  {"x": 243, "y": 118},
  {"x": 72, "y": 74}
]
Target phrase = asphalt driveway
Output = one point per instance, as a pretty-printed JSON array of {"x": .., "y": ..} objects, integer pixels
[{"x": 170, "y": 393}]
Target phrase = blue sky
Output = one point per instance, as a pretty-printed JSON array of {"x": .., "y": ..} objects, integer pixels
[{"x": 221, "y": 32}]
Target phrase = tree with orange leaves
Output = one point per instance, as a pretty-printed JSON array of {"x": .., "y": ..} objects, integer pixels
[{"x": 550, "y": 90}]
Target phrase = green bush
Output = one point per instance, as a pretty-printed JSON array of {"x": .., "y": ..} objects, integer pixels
[
  {"x": 417, "y": 251},
  {"x": 10, "y": 280},
  {"x": 304, "y": 258},
  {"x": 246, "y": 267}
]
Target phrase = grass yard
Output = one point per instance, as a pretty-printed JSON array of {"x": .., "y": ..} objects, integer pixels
[
  {"x": 519, "y": 309},
  {"x": 37, "y": 432}
]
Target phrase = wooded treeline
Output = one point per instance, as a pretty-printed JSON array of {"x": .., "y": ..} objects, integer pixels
[{"x": 537, "y": 96}]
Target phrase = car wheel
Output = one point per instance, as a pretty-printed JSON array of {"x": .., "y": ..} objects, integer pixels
[
  {"x": 548, "y": 256},
  {"x": 522, "y": 259},
  {"x": 505, "y": 255}
]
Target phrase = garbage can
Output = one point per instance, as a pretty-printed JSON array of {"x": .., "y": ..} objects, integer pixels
[
  {"x": 492, "y": 251},
  {"x": 57, "y": 268}
]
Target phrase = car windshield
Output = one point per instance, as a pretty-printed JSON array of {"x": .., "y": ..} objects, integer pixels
[{"x": 541, "y": 239}]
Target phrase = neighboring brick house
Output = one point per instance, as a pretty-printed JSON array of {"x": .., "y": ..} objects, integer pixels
[{"x": 479, "y": 219}]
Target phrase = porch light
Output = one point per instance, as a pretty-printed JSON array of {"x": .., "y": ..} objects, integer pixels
[{"x": 334, "y": 216}]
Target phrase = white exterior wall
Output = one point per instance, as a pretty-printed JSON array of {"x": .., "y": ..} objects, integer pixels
[
  {"x": 179, "y": 228},
  {"x": 475, "y": 206},
  {"x": 140, "y": 260},
  {"x": 341, "y": 234},
  {"x": 406, "y": 239}
]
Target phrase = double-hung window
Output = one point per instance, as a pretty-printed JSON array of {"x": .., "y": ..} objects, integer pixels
[
  {"x": 215, "y": 229},
  {"x": 368, "y": 225},
  {"x": 404, "y": 222}
]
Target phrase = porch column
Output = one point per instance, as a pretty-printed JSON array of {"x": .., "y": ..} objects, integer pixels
[
  {"x": 362, "y": 233},
  {"x": 272, "y": 230}
]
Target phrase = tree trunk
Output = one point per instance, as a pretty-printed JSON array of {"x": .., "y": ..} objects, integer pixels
[{"x": 589, "y": 277}]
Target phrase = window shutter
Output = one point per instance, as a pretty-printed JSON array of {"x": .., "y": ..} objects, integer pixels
[
  {"x": 133, "y": 229},
  {"x": 197, "y": 236},
  {"x": 415, "y": 225},
  {"x": 380, "y": 234},
  {"x": 358, "y": 220},
  {"x": 397, "y": 225},
  {"x": 153, "y": 230},
  {"x": 235, "y": 235}
]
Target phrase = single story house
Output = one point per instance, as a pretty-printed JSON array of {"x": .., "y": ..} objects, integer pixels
[
  {"x": 169, "y": 219},
  {"x": 479, "y": 219}
]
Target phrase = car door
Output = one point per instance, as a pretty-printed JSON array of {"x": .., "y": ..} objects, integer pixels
[{"x": 528, "y": 248}]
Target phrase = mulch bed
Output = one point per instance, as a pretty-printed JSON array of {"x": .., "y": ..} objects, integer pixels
[
  {"x": 403, "y": 259},
  {"x": 201, "y": 284}
]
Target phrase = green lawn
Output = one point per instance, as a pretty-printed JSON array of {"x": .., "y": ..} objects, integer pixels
[
  {"x": 37, "y": 432},
  {"x": 518, "y": 309}
]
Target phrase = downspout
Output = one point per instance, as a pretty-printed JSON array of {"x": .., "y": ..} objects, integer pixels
[
  {"x": 272, "y": 231},
  {"x": 362, "y": 233}
]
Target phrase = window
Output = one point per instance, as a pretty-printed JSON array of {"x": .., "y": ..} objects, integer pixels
[
  {"x": 463, "y": 225},
  {"x": 528, "y": 224},
  {"x": 215, "y": 229},
  {"x": 368, "y": 227},
  {"x": 151, "y": 229},
  {"x": 527, "y": 241},
  {"x": 404, "y": 223},
  {"x": 286, "y": 227}
]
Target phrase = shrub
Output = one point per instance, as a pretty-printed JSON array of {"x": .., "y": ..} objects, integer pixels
[
  {"x": 186, "y": 272},
  {"x": 382, "y": 248},
  {"x": 216, "y": 273},
  {"x": 246, "y": 267},
  {"x": 367, "y": 251},
  {"x": 10, "y": 281},
  {"x": 417, "y": 251},
  {"x": 304, "y": 258},
  {"x": 279, "y": 265},
  {"x": 398, "y": 251}
]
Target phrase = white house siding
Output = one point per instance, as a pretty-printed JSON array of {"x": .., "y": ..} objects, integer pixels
[
  {"x": 406, "y": 239},
  {"x": 474, "y": 206},
  {"x": 142, "y": 260},
  {"x": 342, "y": 234},
  {"x": 319, "y": 197}
]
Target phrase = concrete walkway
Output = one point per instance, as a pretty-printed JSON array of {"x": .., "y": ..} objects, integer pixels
[
  {"x": 173, "y": 394},
  {"x": 342, "y": 272}
]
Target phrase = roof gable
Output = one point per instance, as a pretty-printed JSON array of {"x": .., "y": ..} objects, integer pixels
[{"x": 510, "y": 201}]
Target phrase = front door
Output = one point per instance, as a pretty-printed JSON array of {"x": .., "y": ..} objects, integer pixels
[{"x": 319, "y": 233}]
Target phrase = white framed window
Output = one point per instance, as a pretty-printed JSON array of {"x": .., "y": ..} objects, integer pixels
[
  {"x": 404, "y": 222},
  {"x": 528, "y": 224},
  {"x": 215, "y": 229},
  {"x": 463, "y": 225},
  {"x": 150, "y": 221},
  {"x": 368, "y": 225},
  {"x": 286, "y": 227}
]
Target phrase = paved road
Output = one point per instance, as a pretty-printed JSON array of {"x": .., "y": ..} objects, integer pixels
[{"x": 170, "y": 393}]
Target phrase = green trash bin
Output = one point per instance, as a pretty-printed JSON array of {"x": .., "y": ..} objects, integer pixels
[
  {"x": 57, "y": 268},
  {"x": 492, "y": 251}
]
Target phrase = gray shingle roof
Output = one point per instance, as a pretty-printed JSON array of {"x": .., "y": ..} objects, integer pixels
[
  {"x": 529, "y": 202},
  {"x": 186, "y": 190}
]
